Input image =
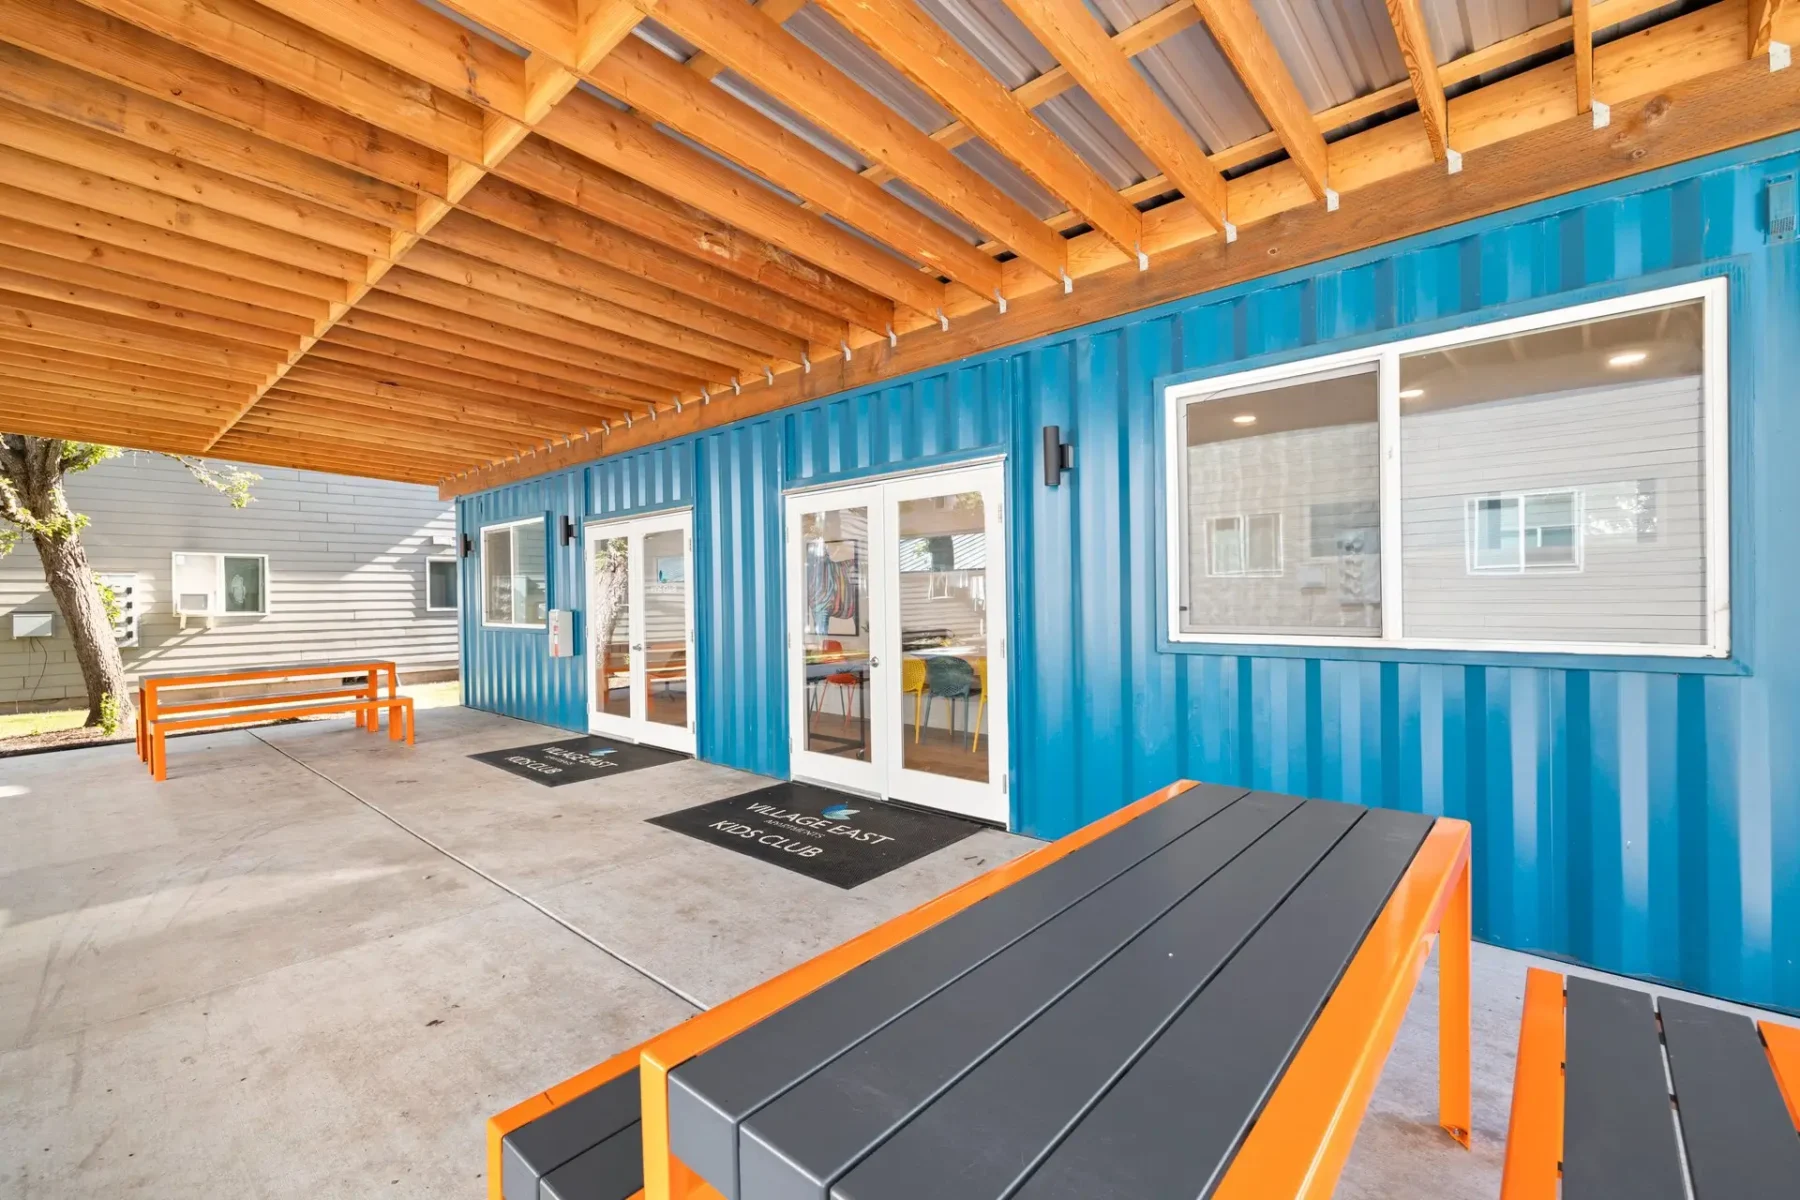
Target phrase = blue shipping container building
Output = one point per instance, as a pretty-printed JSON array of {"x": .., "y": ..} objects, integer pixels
[{"x": 1641, "y": 815}]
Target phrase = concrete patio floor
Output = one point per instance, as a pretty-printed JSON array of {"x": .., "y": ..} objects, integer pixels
[{"x": 312, "y": 963}]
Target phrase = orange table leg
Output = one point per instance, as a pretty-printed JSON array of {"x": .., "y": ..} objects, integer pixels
[
  {"x": 159, "y": 755},
  {"x": 1783, "y": 1044},
  {"x": 1455, "y": 1105},
  {"x": 374, "y": 695},
  {"x": 1534, "y": 1139}
]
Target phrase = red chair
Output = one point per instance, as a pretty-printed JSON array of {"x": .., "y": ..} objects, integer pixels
[{"x": 849, "y": 681}]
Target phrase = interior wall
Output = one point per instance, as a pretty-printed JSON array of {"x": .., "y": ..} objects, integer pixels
[{"x": 1640, "y": 815}]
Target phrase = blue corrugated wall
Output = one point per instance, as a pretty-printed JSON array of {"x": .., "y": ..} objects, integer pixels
[{"x": 1639, "y": 815}]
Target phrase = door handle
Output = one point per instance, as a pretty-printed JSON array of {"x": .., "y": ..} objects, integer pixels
[{"x": 874, "y": 663}]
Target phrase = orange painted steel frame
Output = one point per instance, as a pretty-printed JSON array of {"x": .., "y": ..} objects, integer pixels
[
  {"x": 1534, "y": 1140},
  {"x": 150, "y": 709},
  {"x": 1319, "y": 1102}
]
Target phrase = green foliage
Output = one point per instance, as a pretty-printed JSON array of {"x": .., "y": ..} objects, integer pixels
[
  {"x": 109, "y": 600},
  {"x": 110, "y": 717},
  {"x": 232, "y": 484}
]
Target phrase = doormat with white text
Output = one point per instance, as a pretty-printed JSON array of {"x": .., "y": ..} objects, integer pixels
[
  {"x": 833, "y": 837},
  {"x": 576, "y": 760}
]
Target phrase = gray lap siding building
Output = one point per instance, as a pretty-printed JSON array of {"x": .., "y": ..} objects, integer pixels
[{"x": 346, "y": 575}]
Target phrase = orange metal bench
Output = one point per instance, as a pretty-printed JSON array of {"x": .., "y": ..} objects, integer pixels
[
  {"x": 157, "y": 716},
  {"x": 1298, "y": 1145}
]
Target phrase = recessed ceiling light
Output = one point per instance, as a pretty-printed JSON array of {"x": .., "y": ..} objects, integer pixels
[
  {"x": 1411, "y": 393},
  {"x": 1244, "y": 419},
  {"x": 1627, "y": 358}
]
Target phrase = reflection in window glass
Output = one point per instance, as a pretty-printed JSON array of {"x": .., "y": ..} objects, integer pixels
[
  {"x": 1301, "y": 455},
  {"x": 531, "y": 595},
  {"x": 1553, "y": 484},
  {"x": 243, "y": 584},
  {"x": 496, "y": 576},
  {"x": 440, "y": 584}
]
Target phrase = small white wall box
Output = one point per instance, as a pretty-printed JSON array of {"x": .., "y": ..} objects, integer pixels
[
  {"x": 124, "y": 587},
  {"x": 31, "y": 624},
  {"x": 562, "y": 633}
]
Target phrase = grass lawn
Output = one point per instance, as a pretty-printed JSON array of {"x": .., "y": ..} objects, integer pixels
[{"x": 446, "y": 694}]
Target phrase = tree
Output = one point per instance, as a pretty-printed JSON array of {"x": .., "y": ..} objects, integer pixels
[{"x": 32, "y": 502}]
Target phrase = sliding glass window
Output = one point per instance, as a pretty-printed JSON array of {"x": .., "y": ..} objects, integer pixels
[{"x": 1554, "y": 484}]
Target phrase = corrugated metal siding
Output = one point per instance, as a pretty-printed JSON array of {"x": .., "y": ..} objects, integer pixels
[
  {"x": 1640, "y": 816},
  {"x": 346, "y": 573},
  {"x": 660, "y": 477}
]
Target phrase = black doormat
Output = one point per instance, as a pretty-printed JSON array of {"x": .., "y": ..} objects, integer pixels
[
  {"x": 576, "y": 760},
  {"x": 833, "y": 837}
]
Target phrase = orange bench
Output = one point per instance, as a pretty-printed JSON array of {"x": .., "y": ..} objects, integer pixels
[
  {"x": 157, "y": 716},
  {"x": 1296, "y": 1146}
]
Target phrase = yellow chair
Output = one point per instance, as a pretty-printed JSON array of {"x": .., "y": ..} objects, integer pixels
[
  {"x": 912, "y": 679},
  {"x": 980, "y": 665}
]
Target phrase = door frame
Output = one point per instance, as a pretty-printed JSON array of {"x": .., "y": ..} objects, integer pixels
[
  {"x": 638, "y": 727},
  {"x": 884, "y": 775}
]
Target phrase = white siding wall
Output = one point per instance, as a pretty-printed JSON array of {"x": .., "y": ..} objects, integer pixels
[{"x": 346, "y": 574}]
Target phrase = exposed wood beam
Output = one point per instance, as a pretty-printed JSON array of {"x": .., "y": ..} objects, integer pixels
[
  {"x": 1240, "y": 34},
  {"x": 574, "y": 231},
  {"x": 461, "y": 381},
  {"x": 762, "y": 51},
  {"x": 146, "y": 291},
  {"x": 185, "y": 278},
  {"x": 568, "y": 178},
  {"x": 1762, "y": 15},
  {"x": 470, "y": 235},
  {"x": 421, "y": 358},
  {"x": 708, "y": 67},
  {"x": 162, "y": 398},
  {"x": 1422, "y": 68},
  {"x": 633, "y": 147},
  {"x": 661, "y": 89},
  {"x": 153, "y": 170},
  {"x": 108, "y": 229},
  {"x": 266, "y": 44},
  {"x": 98, "y": 368},
  {"x": 429, "y": 42},
  {"x": 23, "y": 327},
  {"x": 208, "y": 356},
  {"x": 175, "y": 322},
  {"x": 109, "y": 48},
  {"x": 1581, "y": 28},
  {"x": 92, "y": 189},
  {"x": 1081, "y": 44},
  {"x": 1681, "y": 90},
  {"x": 926, "y": 53}
]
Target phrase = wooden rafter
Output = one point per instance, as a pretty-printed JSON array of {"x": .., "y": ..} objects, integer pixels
[
  {"x": 1422, "y": 68},
  {"x": 1581, "y": 29},
  {"x": 1762, "y": 18},
  {"x": 1240, "y": 34},
  {"x": 1093, "y": 59}
]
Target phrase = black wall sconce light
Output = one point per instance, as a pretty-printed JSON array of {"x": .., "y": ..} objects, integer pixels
[
  {"x": 568, "y": 531},
  {"x": 468, "y": 545},
  {"x": 1059, "y": 456}
]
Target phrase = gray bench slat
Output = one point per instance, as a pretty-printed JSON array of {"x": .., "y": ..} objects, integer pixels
[
  {"x": 612, "y": 1170},
  {"x": 539, "y": 1147},
  {"x": 1740, "y": 1141},
  {"x": 829, "y": 1121},
  {"x": 1172, "y": 1124},
  {"x": 712, "y": 1093},
  {"x": 981, "y": 1136},
  {"x": 1618, "y": 1130}
]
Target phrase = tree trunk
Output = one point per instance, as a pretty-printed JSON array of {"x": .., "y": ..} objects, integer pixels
[{"x": 96, "y": 649}]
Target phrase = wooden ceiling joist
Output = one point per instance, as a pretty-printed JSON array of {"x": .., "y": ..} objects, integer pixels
[
  {"x": 364, "y": 379},
  {"x": 760, "y": 50},
  {"x": 17, "y": 280},
  {"x": 1239, "y": 32},
  {"x": 1082, "y": 45},
  {"x": 540, "y": 400},
  {"x": 99, "y": 367},
  {"x": 25, "y": 328},
  {"x": 1421, "y": 61}
]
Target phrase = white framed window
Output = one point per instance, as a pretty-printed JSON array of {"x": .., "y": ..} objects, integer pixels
[
  {"x": 440, "y": 584},
  {"x": 1245, "y": 544},
  {"x": 1552, "y": 484},
  {"x": 220, "y": 585},
  {"x": 514, "y": 580}
]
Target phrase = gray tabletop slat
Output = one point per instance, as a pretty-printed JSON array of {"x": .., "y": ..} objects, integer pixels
[
  {"x": 829, "y": 1121},
  {"x": 1618, "y": 1130},
  {"x": 1172, "y": 1124},
  {"x": 1740, "y": 1140},
  {"x": 981, "y": 1136},
  {"x": 711, "y": 1094},
  {"x": 539, "y": 1147},
  {"x": 612, "y": 1170}
]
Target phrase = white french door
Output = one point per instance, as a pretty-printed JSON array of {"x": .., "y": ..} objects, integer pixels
[
  {"x": 897, "y": 639},
  {"x": 640, "y": 629}
]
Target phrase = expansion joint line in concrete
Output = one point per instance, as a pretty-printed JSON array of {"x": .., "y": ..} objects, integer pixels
[{"x": 652, "y": 976}]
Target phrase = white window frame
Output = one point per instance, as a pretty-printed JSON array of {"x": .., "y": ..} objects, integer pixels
[
  {"x": 218, "y": 590},
  {"x": 1715, "y": 423},
  {"x": 1245, "y": 570},
  {"x": 512, "y": 567},
  {"x": 1578, "y": 513},
  {"x": 457, "y": 575}
]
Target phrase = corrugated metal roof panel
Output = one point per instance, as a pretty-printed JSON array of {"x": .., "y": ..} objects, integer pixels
[
  {"x": 1078, "y": 120},
  {"x": 1336, "y": 50},
  {"x": 841, "y": 49},
  {"x": 736, "y": 85},
  {"x": 1458, "y": 27},
  {"x": 935, "y": 211},
  {"x": 998, "y": 170}
]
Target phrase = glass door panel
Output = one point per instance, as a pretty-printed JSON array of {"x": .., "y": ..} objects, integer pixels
[
  {"x": 665, "y": 644},
  {"x": 832, "y": 639},
  {"x": 641, "y": 630}
]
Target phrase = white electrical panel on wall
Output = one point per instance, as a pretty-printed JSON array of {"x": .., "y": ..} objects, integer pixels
[
  {"x": 33, "y": 625},
  {"x": 125, "y": 590}
]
